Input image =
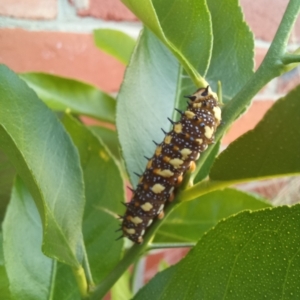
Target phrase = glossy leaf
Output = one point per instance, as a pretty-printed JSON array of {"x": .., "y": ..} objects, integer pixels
[
  {"x": 232, "y": 60},
  {"x": 184, "y": 27},
  {"x": 141, "y": 109},
  {"x": 271, "y": 149},
  {"x": 29, "y": 270},
  {"x": 114, "y": 42},
  {"x": 104, "y": 194},
  {"x": 253, "y": 255},
  {"x": 32, "y": 275},
  {"x": 190, "y": 220},
  {"x": 64, "y": 94},
  {"x": 44, "y": 156}
]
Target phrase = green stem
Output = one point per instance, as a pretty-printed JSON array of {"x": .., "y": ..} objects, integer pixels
[
  {"x": 87, "y": 271},
  {"x": 271, "y": 67},
  {"x": 290, "y": 59},
  {"x": 81, "y": 281},
  {"x": 130, "y": 257}
]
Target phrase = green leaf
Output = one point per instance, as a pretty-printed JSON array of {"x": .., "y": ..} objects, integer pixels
[
  {"x": 4, "y": 283},
  {"x": 253, "y": 255},
  {"x": 63, "y": 94},
  {"x": 28, "y": 269},
  {"x": 121, "y": 290},
  {"x": 141, "y": 109},
  {"x": 232, "y": 60},
  {"x": 183, "y": 26},
  {"x": 104, "y": 194},
  {"x": 114, "y": 42},
  {"x": 190, "y": 220},
  {"x": 271, "y": 149},
  {"x": 32, "y": 275},
  {"x": 109, "y": 138},
  {"x": 205, "y": 169},
  {"x": 7, "y": 174},
  {"x": 45, "y": 158}
]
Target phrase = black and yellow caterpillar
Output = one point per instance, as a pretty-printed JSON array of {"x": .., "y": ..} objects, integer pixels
[{"x": 178, "y": 152}]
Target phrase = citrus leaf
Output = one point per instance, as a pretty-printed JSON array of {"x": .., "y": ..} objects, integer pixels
[
  {"x": 104, "y": 193},
  {"x": 190, "y": 220},
  {"x": 63, "y": 94},
  {"x": 232, "y": 60},
  {"x": 114, "y": 42},
  {"x": 253, "y": 255},
  {"x": 141, "y": 109},
  {"x": 32, "y": 275},
  {"x": 183, "y": 26},
  {"x": 45, "y": 158},
  {"x": 272, "y": 148}
]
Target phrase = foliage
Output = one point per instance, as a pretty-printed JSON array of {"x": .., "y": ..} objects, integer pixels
[{"x": 60, "y": 210}]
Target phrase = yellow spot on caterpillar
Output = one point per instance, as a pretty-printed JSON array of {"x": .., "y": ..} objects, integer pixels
[
  {"x": 168, "y": 139},
  {"x": 208, "y": 132},
  {"x": 200, "y": 141},
  {"x": 147, "y": 206},
  {"x": 166, "y": 159},
  {"x": 217, "y": 112},
  {"x": 192, "y": 166},
  {"x": 149, "y": 164},
  {"x": 164, "y": 173},
  {"x": 136, "y": 220},
  {"x": 185, "y": 153},
  {"x": 157, "y": 188},
  {"x": 178, "y": 128},
  {"x": 179, "y": 180},
  {"x": 176, "y": 162},
  {"x": 146, "y": 186},
  {"x": 175, "y": 148},
  {"x": 103, "y": 155},
  {"x": 197, "y": 105},
  {"x": 189, "y": 114},
  {"x": 158, "y": 150},
  {"x": 129, "y": 230},
  {"x": 136, "y": 203}
]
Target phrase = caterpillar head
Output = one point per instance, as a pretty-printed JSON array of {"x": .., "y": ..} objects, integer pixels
[{"x": 202, "y": 94}]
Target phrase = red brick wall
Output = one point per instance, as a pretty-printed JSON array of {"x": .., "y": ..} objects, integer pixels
[{"x": 54, "y": 36}]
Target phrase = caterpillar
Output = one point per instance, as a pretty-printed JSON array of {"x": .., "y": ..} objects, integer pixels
[{"x": 177, "y": 154}]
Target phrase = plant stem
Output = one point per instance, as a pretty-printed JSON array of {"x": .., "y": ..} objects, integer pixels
[
  {"x": 170, "y": 245},
  {"x": 132, "y": 255},
  {"x": 81, "y": 281},
  {"x": 271, "y": 67}
]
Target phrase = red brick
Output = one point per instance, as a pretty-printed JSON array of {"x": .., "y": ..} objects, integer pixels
[
  {"x": 264, "y": 16},
  {"x": 107, "y": 10},
  {"x": 29, "y": 9},
  {"x": 248, "y": 120},
  {"x": 67, "y": 54}
]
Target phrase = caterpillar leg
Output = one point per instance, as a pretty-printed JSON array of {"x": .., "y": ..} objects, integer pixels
[
  {"x": 161, "y": 215},
  {"x": 192, "y": 166}
]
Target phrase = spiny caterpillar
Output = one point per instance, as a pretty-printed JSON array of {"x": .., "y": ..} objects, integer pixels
[{"x": 177, "y": 153}]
